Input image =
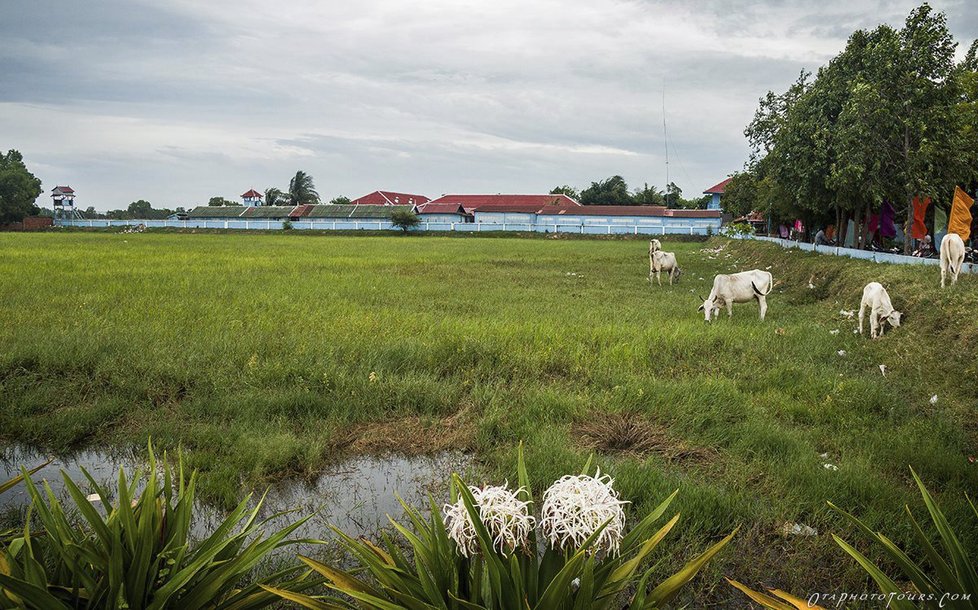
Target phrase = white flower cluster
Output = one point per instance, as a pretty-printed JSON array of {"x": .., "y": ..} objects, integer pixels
[
  {"x": 576, "y": 506},
  {"x": 504, "y": 515}
]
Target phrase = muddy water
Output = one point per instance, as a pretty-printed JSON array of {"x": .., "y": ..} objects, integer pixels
[{"x": 355, "y": 495}]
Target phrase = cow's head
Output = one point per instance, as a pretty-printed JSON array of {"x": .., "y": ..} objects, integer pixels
[
  {"x": 676, "y": 274},
  {"x": 709, "y": 308}
]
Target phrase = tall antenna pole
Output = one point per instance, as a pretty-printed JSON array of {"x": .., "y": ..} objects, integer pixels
[{"x": 665, "y": 142}]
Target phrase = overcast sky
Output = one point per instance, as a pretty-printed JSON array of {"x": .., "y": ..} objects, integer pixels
[{"x": 178, "y": 101}]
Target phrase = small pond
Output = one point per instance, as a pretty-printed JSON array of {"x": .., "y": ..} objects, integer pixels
[{"x": 356, "y": 495}]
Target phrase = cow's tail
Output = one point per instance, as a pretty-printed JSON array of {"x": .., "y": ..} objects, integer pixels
[{"x": 762, "y": 294}]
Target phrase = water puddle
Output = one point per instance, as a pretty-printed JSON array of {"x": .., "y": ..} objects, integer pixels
[{"x": 355, "y": 495}]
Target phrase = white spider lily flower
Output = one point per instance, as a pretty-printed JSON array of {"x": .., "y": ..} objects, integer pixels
[
  {"x": 575, "y": 507},
  {"x": 504, "y": 515}
]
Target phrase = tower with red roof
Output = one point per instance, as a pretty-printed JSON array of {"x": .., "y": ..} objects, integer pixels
[{"x": 252, "y": 198}]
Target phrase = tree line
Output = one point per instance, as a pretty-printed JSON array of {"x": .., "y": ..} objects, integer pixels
[
  {"x": 892, "y": 117},
  {"x": 615, "y": 191}
]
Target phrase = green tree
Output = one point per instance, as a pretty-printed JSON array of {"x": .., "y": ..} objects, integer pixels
[
  {"x": 19, "y": 188},
  {"x": 340, "y": 200},
  {"x": 648, "y": 195},
  {"x": 221, "y": 201},
  {"x": 302, "y": 190},
  {"x": 404, "y": 219},
  {"x": 274, "y": 196},
  {"x": 740, "y": 194},
  {"x": 612, "y": 191},
  {"x": 140, "y": 209},
  {"x": 570, "y": 191},
  {"x": 674, "y": 195}
]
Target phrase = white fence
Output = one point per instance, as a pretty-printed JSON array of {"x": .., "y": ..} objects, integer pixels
[
  {"x": 869, "y": 255},
  {"x": 385, "y": 225}
]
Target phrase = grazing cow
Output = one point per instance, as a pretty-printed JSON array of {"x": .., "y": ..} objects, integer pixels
[
  {"x": 660, "y": 261},
  {"x": 654, "y": 246},
  {"x": 952, "y": 257},
  {"x": 880, "y": 309},
  {"x": 740, "y": 287}
]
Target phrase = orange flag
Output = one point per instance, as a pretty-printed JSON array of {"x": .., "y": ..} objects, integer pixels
[
  {"x": 920, "y": 205},
  {"x": 960, "y": 220}
]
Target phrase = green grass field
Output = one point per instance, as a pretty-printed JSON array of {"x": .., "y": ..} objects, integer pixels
[{"x": 268, "y": 356}]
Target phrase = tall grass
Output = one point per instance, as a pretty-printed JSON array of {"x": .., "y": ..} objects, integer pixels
[{"x": 266, "y": 355}]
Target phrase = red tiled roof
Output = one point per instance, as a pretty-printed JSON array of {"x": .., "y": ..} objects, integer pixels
[
  {"x": 484, "y": 202},
  {"x": 252, "y": 194},
  {"x": 390, "y": 198},
  {"x": 63, "y": 189},
  {"x": 615, "y": 210},
  {"x": 440, "y": 208},
  {"x": 717, "y": 189}
]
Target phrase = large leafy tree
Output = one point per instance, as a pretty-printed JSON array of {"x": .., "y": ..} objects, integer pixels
[
  {"x": 612, "y": 191},
  {"x": 885, "y": 119},
  {"x": 221, "y": 201},
  {"x": 302, "y": 190},
  {"x": 19, "y": 188}
]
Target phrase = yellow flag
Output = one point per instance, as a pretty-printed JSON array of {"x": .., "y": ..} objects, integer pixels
[{"x": 960, "y": 220}]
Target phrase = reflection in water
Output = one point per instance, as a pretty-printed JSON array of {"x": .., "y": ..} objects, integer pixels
[{"x": 355, "y": 495}]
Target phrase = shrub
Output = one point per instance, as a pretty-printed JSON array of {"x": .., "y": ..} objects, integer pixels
[
  {"x": 505, "y": 567},
  {"x": 140, "y": 554},
  {"x": 952, "y": 583},
  {"x": 404, "y": 219},
  {"x": 287, "y": 225},
  {"x": 737, "y": 229}
]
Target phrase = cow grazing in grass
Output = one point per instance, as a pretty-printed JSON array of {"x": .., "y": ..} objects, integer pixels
[
  {"x": 952, "y": 257},
  {"x": 660, "y": 261},
  {"x": 740, "y": 287},
  {"x": 881, "y": 309}
]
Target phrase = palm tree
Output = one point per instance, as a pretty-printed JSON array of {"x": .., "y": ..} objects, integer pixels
[
  {"x": 302, "y": 190},
  {"x": 274, "y": 196}
]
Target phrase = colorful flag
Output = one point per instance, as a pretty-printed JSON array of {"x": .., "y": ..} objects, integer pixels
[
  {"x": 960, "y": 221},
  {"x": 887, "y": 216},
  {"x": 920, "y": 205},
  {"x": 940, "y": 220}
]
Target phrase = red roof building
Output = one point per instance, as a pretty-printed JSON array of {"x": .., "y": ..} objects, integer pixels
[
  {"x": 440, "y": 208},
  {"x": 492, "y": 202},
  {"x": 390, "y": 198},
  {"x": 717, "y": 189},
  {"x": 252, "y": 194},
  {"x": 717, "y": 192}
]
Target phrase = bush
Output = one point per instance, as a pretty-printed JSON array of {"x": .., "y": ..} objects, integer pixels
[
  {"x": 737, "y": 229},
  {"x": 404, "y": 219},
  {"x": 139, "y": 554},
  {"x": 483, "y": 554},
  {"x": 287, "y": 225}
]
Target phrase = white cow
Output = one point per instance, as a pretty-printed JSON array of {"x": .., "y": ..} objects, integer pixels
[
  {"x": 880, "y": 309},
  {"x": 660, "y": 261},
  {"x": 654, "y": 246},
  {"x": 952, "y": 257},
  {"x": 740, "y": 287}
]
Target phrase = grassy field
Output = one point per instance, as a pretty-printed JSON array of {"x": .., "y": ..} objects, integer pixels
[{"x": 269, "y": 356}]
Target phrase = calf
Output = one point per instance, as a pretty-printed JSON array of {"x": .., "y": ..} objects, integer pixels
[
  {"x": 880, "y": 309},
  {"x": 660, "y": 261},
  {"x": 740, "y": 287},
  {"x": 952, "y": 257}
]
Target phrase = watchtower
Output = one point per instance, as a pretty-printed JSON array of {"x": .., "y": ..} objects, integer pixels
[
  {"x": 64, "y": 202},
  {"x": 252, "y": 198}
]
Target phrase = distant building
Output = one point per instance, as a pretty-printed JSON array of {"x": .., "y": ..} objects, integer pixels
[
  {"x": 471, "y": 202},
  {"x": 252, "y": 198},
  {"x": 717, "y": 192},
  {"x": 390, "y": 198},
  {"x": 437, "y": 213}
]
